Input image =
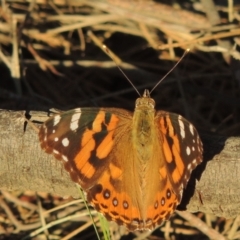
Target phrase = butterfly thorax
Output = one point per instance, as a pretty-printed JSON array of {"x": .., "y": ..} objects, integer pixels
[{"x": 143, "y": 132}]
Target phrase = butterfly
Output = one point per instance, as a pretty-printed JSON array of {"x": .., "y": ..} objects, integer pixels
[{"x": 133, "y": 166}]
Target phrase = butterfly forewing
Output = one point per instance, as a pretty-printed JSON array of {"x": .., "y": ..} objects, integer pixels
[
  {"x": 82, "y": 138},
  {"x": 182, "y": 147}
]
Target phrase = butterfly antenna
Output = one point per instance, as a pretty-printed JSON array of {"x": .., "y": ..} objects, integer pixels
[
  {"x": 109, "y": 53},
  {"x": 187, "y": 50}
]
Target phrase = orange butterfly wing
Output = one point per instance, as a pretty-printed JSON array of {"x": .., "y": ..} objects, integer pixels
[{"x": 99, "y": 150}]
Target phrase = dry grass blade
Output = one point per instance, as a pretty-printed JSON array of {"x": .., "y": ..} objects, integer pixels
[{"x": 197, "y": 223}]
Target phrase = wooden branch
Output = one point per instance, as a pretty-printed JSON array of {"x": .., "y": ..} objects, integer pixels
[{"x": 214, "y": 186}]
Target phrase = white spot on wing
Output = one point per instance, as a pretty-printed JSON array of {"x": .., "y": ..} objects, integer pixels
[
  {"x": 56, "y": 139},
  {"x": 75, "y": 119},
  {"x": 181, "y": 125},
  {"x": 191, "y": 129},
  {"x": 55, "y": 151},
  {"x": 56, "y": 120},
  {"x": 125, "y": 204},
  {"x": 65, "y": 142},
  {"x": 181, "y": 192},
  {"x": 115, "y": 202},
  {"x": 168, "y": 194},
  {"x": 188, "y": 150},
  {"x": 64, "y": 158},
  {"x": 106, "y": 194}
]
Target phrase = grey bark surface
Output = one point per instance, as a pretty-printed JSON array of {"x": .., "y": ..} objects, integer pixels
[{"x": 213, "y": 188}]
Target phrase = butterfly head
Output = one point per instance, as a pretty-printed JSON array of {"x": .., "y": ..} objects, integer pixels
[{"x": 145, "y": 101}]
